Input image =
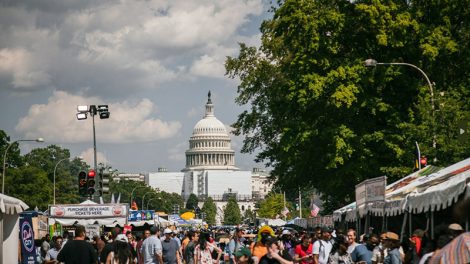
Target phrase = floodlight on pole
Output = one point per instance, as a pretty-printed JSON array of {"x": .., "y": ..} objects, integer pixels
[
  {"x": 82, "y": 114},
  {"x": 374, "y": 63},
  {"x": 39, "y": 140}
]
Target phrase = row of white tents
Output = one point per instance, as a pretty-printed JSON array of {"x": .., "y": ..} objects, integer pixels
[{"x": 425, "y": 191}]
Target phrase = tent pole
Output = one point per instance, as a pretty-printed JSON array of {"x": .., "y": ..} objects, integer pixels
[
  {"x": 410, "y": 228},
  {"x": 432, "y": 224},
  {"x": 403, "y": 226}
]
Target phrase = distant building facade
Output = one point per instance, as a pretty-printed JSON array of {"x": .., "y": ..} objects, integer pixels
[{"x": 210, "y": 169}]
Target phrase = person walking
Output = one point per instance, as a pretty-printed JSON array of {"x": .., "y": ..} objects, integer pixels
[
  {"x": 322, "y": 248},
  {"x": 190, "y": 246},
  {"x": 304, "y": 251},
  {"x": 78, "y": 251},
  {"x": 51, "y": 256},
  {"x": 203, "y": 251},
  {"x": 170, "y": 248},
  {"x": 110, "y": 245},
  {"x": 235, "y": 244},
  {"x": 140, "y": 258},
  {"x": 392, "y": 243},
  {"x": 121, "y": 253},
  {"x": 152, "y": 248}
]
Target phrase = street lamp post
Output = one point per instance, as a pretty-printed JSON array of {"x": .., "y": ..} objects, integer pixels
[
  {"x": 132, "y": 193},
  {"x": 102, "y": 110},
  {"x": 5, "y": 157},
  {"x": 374, "y": 63},
  {"x": 143, "y": 198}
]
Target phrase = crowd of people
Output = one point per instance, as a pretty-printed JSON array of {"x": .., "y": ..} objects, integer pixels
[{"x": 244, "y": 246}]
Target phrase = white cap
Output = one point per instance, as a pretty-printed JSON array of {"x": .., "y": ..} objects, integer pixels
[
  {"x": 122, "y": 238},
  {"x": 285, "y": 232},
  {"x": 167, "y": 231}
]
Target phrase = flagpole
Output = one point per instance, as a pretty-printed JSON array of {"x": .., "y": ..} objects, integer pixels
[
  {"x": 285, "y": 215},
  {"x": 300, "y": 204}
]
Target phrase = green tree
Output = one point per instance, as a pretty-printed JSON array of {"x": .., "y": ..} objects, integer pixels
[
  {"x": 31, "y": 185},
  {"x": 210, "y": 210},
  {"x": 249, "y": 216},
  {"x": 192, "y": 202},
  {"x": 272, "y": 206},
  {"x": 319, "y": 117},
  {"x": 232, "y": 215}
]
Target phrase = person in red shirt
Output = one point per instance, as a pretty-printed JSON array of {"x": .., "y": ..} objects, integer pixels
[{"x": 304, "y": 251}]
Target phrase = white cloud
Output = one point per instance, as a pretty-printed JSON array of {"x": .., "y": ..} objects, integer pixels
[
  {"x": 138, "y": 44},
  {"x": 88, "y": 157},
  {"x": 177, "y": 153},
  {"x": 128, "y": 122}
]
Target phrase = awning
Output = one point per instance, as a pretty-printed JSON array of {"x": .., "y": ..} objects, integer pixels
[
  {"x": 11, "y": 205},
  {"x": 429, "y": 189}
]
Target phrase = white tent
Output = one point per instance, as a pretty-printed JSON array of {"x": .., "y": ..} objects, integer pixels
[
  {"x": 418, "y": 192},
  {"x": 10, "y": 208}
]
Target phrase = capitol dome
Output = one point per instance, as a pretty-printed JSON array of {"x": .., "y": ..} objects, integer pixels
[{"x": 210, "y": 144}]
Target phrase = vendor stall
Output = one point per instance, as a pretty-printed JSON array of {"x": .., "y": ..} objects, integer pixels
[
  {"x": 10, "y": 209},
  {"x": 428, "y": 190}
]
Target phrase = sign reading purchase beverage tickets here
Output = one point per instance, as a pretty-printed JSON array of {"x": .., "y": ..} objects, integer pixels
[
  {"x": 88, "y": 211},
  {"x": 371, "y": 190}
]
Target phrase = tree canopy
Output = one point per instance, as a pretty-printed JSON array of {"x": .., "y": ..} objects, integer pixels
[
  {"x": 319, "y": 117},
  {"x": 192, "y": 202},
  {"x": 232, "y": 214},
  {"x": 210, "y": 210}
]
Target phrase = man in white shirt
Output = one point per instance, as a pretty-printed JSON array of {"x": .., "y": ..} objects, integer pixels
[
  {"x": 51, "y": 256},
  {"x": 351, "y": 240},
  {"x": 322, "y": 247}
]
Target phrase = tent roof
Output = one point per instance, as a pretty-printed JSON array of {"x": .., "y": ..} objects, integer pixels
[
  {"x": 11, "y": 205},
  {"x": 428, "y": 189}
]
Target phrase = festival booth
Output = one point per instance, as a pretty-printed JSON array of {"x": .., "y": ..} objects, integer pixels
[
  {"x": 10, "y": 209},
  {"x": 426, "y": 191},
  {"x": 89, "y": 214}
]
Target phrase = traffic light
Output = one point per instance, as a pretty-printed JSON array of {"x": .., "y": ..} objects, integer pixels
[
  {"x": 82, "y": 183},
  {"x": 103, "y": 182},
  {"x": 423, "y": 161},
  {"x": 91, "y": 182}
]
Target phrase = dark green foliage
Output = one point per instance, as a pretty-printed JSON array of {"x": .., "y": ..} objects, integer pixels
[
  {"x": 320, "y": 118},
  {"x": 192, "y": 202},
  {"x": 210, "y": 210},
  {"x": 232, "y": 215}
]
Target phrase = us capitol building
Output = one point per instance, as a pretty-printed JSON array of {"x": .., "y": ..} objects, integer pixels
[{"x": 210, "y": 169}]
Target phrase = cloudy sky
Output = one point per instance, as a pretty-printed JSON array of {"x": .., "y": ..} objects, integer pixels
[{"x": 152, "y": 62}]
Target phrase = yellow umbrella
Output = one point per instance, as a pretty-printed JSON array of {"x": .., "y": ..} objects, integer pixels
[{"x": 188, "y": 215}]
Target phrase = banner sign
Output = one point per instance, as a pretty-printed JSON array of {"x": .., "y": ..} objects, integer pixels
[
  {"x": 360, "y": 194},
  {"x": 92, "y": 230},
  {"x": 88, "y": 211},
  {"x": 371, "y": 190},
  {"x": 28, "y": 252},
  {"x": 375, "y": 189},
  {"x": 140, "y": 215}
]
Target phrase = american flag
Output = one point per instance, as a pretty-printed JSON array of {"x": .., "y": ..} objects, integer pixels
[{"x": 314, "y": 209}]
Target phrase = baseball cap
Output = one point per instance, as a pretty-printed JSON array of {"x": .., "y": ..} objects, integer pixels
[
  {"x": 243, "y": 252},
  {"x": 122, "y": 238},
  {"x": 286, "y": 232},
  {"x": 167, "y": 231},
  {"x": 391, "y": 236},
  {"x": 455, "y": 227}
]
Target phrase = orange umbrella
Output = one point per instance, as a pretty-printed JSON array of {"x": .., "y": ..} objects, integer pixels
[
  {"x": 457, "y": 251},
  {"x": 187, "y": 216}
]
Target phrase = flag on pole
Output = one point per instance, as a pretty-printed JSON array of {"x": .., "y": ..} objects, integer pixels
[{"x": 314, "y": 209}]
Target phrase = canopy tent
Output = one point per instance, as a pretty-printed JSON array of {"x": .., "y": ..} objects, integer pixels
[
  {"x": 10, "y": 208},
  {"x": 429, "y": 189}
]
